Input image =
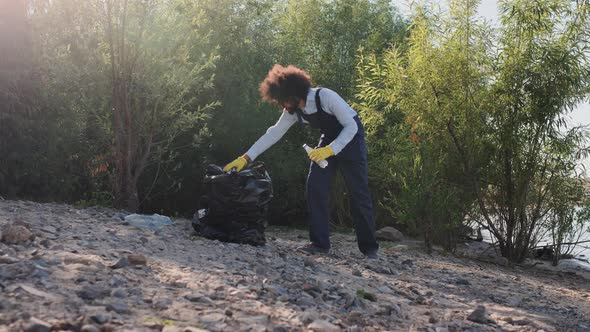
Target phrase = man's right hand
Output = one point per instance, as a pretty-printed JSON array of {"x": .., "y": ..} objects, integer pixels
[{"x": 238, "y": 164}]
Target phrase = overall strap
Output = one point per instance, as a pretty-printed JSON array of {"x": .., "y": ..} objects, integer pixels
[
  {"x": 318, "y": 103},
  {"x": 299, "y": 117}
]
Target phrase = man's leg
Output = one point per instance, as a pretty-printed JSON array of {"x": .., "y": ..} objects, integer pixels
[
  {"x": 357, "y": 183},
  {"x": 318, "y": 190}
]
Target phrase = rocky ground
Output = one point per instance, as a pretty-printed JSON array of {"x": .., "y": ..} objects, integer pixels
[{"x": 64, "y": 268}]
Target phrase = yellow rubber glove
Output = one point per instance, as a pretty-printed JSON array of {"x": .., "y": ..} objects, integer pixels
[
  {"x": 238, "y": 164},
  {"x": 321, "y": 153}
]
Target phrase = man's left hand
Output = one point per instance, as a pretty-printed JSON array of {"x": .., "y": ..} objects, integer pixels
[{"x": 321, "y": 153}]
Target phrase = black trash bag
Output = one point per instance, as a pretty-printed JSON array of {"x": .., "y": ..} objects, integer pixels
[{"x": 234, "y": 205}]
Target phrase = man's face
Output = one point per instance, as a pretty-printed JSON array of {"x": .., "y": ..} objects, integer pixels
[{"x": 291, "y": 106}]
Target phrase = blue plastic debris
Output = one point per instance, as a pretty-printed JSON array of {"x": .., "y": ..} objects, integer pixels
[{"x": 155, "y": 221}]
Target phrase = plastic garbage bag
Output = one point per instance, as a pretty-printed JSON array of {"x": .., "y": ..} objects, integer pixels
[
  {"x": 234, "y": 205},
  {"x": 155, "y": 221}
]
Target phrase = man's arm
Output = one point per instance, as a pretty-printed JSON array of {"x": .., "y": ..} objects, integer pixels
[{"x": 272, "y": 135}]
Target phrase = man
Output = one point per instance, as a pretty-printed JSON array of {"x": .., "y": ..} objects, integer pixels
[{"x": 342, "y": 144}]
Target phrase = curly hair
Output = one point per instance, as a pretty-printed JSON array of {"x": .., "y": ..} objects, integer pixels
[{"x": 285, "y": 84}]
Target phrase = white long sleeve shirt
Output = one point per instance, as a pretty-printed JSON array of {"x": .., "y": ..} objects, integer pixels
[{"x": 332, "y": 104}]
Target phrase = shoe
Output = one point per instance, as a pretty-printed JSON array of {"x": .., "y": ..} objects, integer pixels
[
  {"x": 312, "y": 249},
  {"x": 372, "y": 255}
]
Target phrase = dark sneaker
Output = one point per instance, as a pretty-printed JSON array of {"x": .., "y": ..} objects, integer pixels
[
  {"x": 372, "y": 255},
  {"x": 312, "y": 249}
]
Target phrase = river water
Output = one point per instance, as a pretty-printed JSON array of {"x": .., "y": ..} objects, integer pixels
[{"x": 581, "y": 251}]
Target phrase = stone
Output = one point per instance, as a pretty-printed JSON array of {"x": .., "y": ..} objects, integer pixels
[
  {"x": 308, "y": 316},
  {"x": 212, "y": 318},
  {"x": 68, "y": 325},
  {"x": 479, "y": 316},
  {"x": 462, "y": 281},
  {"x": 121, "y": 263},
  {"x": 45, "y": 243},
  {"x": 5, "y": 304},
  {"x": 8, "y": 260},
  {"x": 389, "y": 234},
  {"x": 100, "y": 318},
  {"x": 109, "y": 328},
  {"x": 320, "y": 325},
  {"x": 137, "y": 260},
  {"x": 119, "y": 292},
  {"x": 305, "y": 300},
  {"x": 354, "y": 302},
  {"x": 408, "y": 262},
  {"x": 277, "y": 290},
  {"x": 130, "y": 260},
  {"x": 16, "y": 234},
  {"x": 117, "y": 281},
  {"x": 162, "y": 303},
  {"x": 89, "y": 328},
  {"x": 118, "y": 307},
  {"x": 251, "y": 320},
  {"x": 196, "y": 297},
  {"x": 384, "y": 289},
  {"x": 57, "y": 247},
  {"x": 93, "y": 292},
  {"x": 37, "y": 325},
  {"x": 422, "y": 300},
  {"x": 380, "y": 269},
  {"x": 309, "y": 262},
  {"x": 514, "y": 301}
]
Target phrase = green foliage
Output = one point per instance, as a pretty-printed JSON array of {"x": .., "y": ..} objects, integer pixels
[
  {"x": 36, "y": 131},
  {"x": 141, "y": 95},
  {"x": 126, "y": 79},
  {"x": 412, "y": 99},
  {"x": 253, "y": 35},
  {"x": 110, "y": 102},
  {"x": 542, "y": 74},
  {"x": 323, "y": 37},
  {"x": 366, "y": 295},
  {"x": 479, "y": 120}
]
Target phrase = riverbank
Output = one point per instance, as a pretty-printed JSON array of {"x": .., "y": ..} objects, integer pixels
[{"x": 87, "y": 270}]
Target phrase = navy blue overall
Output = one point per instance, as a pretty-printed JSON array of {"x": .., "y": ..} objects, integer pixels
[{"x": 352, "y": 163}]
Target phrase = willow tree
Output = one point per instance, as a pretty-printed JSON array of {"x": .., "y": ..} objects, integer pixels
[
  {"x": 127, "y": 68},
  {"x": 485, "y": 115},
  {"x": 543, "y": 74},
  {"x": 412, "y": 99}
]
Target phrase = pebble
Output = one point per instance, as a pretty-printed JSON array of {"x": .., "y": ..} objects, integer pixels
[
  {"x": 89, "y": 328},
  {"x": 118, "y": 307},
  {"x": 320, "y": 325},
  {"x": 479, "y": 316},
  {"x": 16, "y": 234},
  {"x": 37, "y": 325},
  {"x": 100, "y": 318}
]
